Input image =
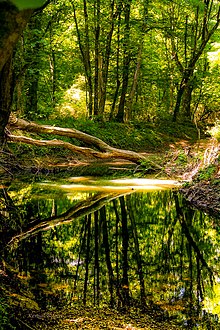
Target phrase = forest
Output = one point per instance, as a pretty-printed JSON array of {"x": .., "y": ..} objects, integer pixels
[
  {"x": 109, "y": 164},
  {"x": 109, "y": 61}
]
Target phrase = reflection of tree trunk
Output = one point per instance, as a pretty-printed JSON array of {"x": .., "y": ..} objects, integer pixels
[
  {"x": 200, "y": 296},
  {"x": 107, "y": 253},
  {"x": 190, "y": 239},
  {"x": 81, "y": 209},
  {"x": 87, "y": 259},
  {"x": 117, "y": 250},
  {"x": 137, "y": 249},
  {"x": 82, "y": 246},
  {"x": 96, "y": 269},
  {"x": 125, "y": 239},
  {"x": 190, "y": 307}
]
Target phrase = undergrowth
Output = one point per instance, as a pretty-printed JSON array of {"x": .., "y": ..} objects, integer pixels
[{"x": 137, "y": 136}]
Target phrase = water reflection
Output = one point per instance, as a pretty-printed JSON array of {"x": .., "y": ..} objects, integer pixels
[{"x": 143, "y": 249}]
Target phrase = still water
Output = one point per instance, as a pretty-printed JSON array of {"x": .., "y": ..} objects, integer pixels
[{"x": 118, "y": 243}]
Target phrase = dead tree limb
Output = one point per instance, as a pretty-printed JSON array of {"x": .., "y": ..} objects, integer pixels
[{"x": 104, "y": 151}]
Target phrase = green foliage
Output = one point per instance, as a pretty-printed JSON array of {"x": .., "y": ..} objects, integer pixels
[
  {"x": 5, "y": 315},
  {"x": 182, "y": 158},
  {"x": 207, "y": 173},
  {"x": 50, "y": 49}
]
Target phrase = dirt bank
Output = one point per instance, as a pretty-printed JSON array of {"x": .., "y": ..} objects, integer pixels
[{"x": 204, "y": 195}]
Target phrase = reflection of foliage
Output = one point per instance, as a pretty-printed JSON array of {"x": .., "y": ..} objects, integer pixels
[
  {"x": 5, "y": 315},
  {"x": 146, "y": 250}
]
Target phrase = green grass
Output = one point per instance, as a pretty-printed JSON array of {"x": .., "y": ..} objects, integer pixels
[{"x": 137, "y": 136}]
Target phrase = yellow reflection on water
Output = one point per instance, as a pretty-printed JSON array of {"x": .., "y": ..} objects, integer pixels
[
  {"x": 125, "y": 185},
  {"x": 212, "y": 304}
]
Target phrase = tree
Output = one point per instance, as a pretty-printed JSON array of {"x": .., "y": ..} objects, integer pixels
[
  {"x": 187, "y": 48},
  {"x": 13, "y": 22},
  {"x": 126, "y": 61},
  {"x": 14, "y": 16}
]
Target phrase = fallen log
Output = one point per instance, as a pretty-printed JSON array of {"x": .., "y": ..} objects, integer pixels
[{"x": 102, "y": 151}]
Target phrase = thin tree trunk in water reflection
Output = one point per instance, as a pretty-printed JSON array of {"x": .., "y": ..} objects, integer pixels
[
  {"x": 87, "y": 259},
  {"x": 137, "y": 249},
  {"x": 191, "y": 310},
  {"x": 107, "y": 253},
  {"x": 181, "y": 254},
  {"x": 125, "y": 239},
  {"x": 96, "y": 269},
  {"x": 82, "y": 247},
  {"x": 116, "y": 250},
  {"x": 199, "y": 278}
]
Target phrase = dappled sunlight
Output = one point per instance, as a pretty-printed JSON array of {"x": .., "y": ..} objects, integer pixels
[
  {"x": 214, "y": 55},
  {"x": 74, "y": 101}
]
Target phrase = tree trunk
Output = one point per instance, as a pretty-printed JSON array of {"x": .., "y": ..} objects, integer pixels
[
  {"x": 200, "y": 41},
  {"x": 130, "y": 101},
  {"x": 126, "y": 63},
  {"x": 118, "y": 83},
  {"x": 178, "y": 102},
  {"x": 104, "y": 150},
  {"x": 134, "y": 83},
  {"x": 12, "y": 24},
  {"x": 106, "y": 57},
  {"x": 97, "y": 49},
  {"x": 32, "y": 75},
  {"x": 85, "y": 53},
  {"x": 6, "y": 93}
]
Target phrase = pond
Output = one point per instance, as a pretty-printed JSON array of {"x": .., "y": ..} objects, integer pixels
[{"x": 117, "y": 243}]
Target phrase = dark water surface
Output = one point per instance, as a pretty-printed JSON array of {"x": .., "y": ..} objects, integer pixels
[{"x": 118, "y": 243}]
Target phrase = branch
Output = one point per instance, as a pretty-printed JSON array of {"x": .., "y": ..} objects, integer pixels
[{"x": 104, "y": 150}]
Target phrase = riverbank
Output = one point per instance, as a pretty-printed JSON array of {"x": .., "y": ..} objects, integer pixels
[
  {"x": 182, "y": 158},
  {"x": 204, "y": 195}
]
